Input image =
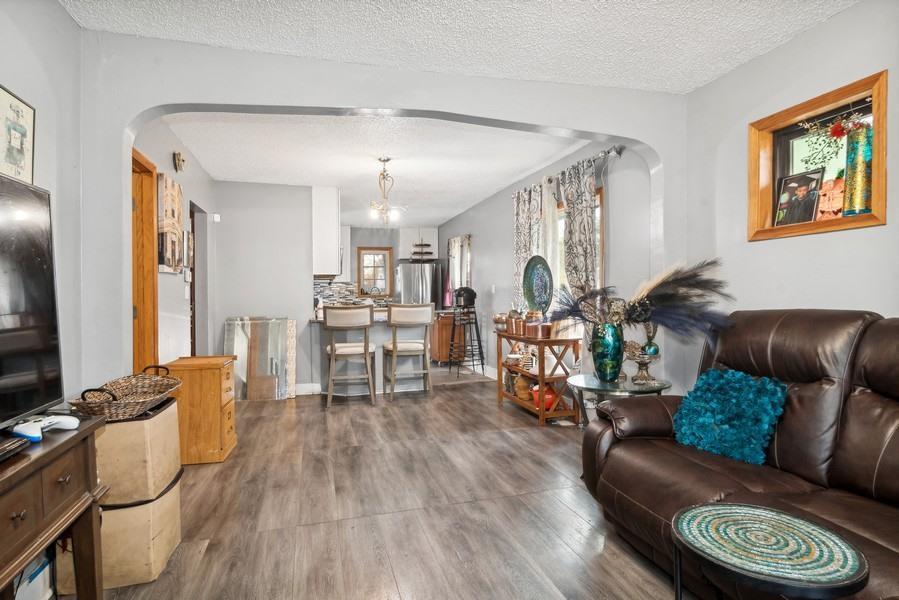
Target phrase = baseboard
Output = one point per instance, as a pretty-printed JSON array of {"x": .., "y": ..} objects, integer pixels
[
  {"x": 489, "y": 371},
  {"x": 305, "y": 389}
]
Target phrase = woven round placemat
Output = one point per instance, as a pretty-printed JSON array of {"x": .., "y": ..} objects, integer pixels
[{"x": 769, "y": 543}]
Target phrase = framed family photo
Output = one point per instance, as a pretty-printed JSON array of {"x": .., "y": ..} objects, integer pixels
[
  {"x": 798, "y": 198},
  {"x": 17, "y": 117}
]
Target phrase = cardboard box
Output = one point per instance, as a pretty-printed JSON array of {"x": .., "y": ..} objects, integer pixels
[
  {"x": 138, "y": 458},
  {"x": 137, "y": 542}
]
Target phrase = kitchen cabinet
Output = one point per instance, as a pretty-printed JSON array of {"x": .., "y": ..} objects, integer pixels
[{"x": 326, "y": 231}]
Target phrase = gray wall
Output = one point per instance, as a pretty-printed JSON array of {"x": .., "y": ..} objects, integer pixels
[
  {"x": 42, "y": 65},
  {"x": 847, "y": 269},
  {"x": 128, "y": 81},
  {"x": 263, "y": 262},
  {"x": 157, "y": 142},
  {"x": 490, "y": 224}
]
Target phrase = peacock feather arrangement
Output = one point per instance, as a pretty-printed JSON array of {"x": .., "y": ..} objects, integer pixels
[{"x": 681, "y": 299}]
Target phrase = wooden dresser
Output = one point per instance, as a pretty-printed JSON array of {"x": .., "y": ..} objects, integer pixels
[
  {"x": 205, "y": 407},
  {"x": 46, "y": 489}
]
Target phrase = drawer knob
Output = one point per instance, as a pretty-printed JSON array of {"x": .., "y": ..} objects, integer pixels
[
  {"x": 64, "y": 480},
  {"x": 19, "y": 516},
  {"x": 227, "y": 389}
]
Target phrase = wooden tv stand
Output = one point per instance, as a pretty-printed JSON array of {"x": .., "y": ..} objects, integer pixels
[{"x": 46, "y": 489}]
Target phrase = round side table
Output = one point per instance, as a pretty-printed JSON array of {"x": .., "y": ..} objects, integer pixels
[
  {"x": 591, "y": 383},
  {"x": 769, "y": 550}
]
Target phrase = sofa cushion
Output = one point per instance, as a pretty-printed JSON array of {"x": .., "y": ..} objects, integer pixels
[
  {"x": 866, "y": 460},
  {"x": 810, "y": 350},
  {"x": 730, "y": 413},
  {"x": 645, "y": 482}
]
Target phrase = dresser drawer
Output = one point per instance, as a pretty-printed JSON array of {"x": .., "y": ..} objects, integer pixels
[
  {"x": 20, "y": 512},
  {"x": 229, "y": 435},
  {"x": 64, "y": 479}
]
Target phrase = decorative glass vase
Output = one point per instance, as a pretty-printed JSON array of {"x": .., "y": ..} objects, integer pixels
[{"x": 607, "y": 348}]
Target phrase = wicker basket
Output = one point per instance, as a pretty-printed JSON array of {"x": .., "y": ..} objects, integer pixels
[{"x": 127, "y": 397}]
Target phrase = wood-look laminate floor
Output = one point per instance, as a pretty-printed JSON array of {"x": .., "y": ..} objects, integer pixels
[{"x": 441, "y": 495}]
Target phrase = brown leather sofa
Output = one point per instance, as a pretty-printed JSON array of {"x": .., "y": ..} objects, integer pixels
[{"x": 834, "y": 458}]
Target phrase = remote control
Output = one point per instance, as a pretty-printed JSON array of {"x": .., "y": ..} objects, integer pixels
[
  {"x": 11, "y": 446},
  {"x": 33, "y": 429}
]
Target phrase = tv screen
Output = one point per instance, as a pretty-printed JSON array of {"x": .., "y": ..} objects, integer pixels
[{"x": 30, "y": 371}]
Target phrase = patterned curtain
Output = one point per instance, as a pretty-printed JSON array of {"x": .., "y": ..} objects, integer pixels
[
  {"x": 528, "y": 212},
  {"x": 578, "y": 187}
]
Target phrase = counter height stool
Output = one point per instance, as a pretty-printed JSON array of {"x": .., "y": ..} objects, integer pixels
[
  {"x": 349, "y": 318},
  {"x": 408, "y": 315}
]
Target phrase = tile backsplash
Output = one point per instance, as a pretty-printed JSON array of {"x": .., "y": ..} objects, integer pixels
[{"x": 338, "y": 292}]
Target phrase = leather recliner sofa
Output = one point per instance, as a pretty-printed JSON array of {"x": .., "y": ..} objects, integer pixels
[{"x": 834, "y": 457}]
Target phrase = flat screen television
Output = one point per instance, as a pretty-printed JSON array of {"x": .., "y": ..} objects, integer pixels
[{"x": 30, "y": 368}]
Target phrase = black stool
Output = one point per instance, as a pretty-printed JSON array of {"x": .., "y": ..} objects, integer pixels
[{"x": 467, "y": 351}]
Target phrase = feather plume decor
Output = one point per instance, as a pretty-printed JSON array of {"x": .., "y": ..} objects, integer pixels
[{"x": 680, "y": 299}]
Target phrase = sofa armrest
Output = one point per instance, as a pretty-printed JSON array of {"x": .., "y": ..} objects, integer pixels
[
  {"x": 599, "y": 437},
  {"x": 641, "y": 416}
]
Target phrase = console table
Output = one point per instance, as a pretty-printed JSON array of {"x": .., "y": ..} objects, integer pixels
[
  {"x": 548, "y": 376},
  {"x": 46, "y": 489}
]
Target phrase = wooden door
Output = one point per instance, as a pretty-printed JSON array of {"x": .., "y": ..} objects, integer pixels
[{"x": 143, "y": 262}]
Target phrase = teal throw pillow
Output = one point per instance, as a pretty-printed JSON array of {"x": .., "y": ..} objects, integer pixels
[{"x": 731, "y": 413}]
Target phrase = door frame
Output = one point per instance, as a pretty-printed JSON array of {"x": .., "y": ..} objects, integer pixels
[{"x": 144, "y": 270}]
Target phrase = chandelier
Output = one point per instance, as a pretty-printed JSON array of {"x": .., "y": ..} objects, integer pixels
[{"x": 381, "y": 209}]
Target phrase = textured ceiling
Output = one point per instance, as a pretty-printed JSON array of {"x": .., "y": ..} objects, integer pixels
[
  {"x": 664, "y": 45},
  {"x": 441, "y": 168}
]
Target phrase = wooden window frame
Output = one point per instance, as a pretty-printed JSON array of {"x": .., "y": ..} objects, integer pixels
[
  {"x": 761, "y": 161},
  {"x": 389, "y": 274}
]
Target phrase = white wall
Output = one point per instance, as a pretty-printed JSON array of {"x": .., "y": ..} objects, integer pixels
[
  {"x": 263, "y": 262},
  {"x": 490, "y": 223},
  {"x": 41, "y": 64},
  {"x": 157, "y": 142},
  {"x": 129, "y": 81},
  {"x": 854, "y": 269}
]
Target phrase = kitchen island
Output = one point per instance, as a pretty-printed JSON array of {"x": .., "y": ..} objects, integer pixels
[{"x": 379, "y": 333}]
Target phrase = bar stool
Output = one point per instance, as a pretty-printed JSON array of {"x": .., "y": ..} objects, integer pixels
[
  {"x": 349, "y": 318},
  {"x": 405, "y": 316}
]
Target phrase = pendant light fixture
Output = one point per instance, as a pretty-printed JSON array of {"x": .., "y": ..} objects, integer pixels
[{"x": 381, "y": 209}]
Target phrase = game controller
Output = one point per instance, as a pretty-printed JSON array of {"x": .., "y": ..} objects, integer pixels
[{"x": 32, "y": 429}]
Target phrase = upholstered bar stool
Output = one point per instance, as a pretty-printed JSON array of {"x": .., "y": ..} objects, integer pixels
[
  {"x": 349, "y": 318},
  {"x": 407, "y": 316}
]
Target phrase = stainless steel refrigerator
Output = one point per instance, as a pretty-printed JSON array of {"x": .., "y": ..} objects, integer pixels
[{"x": 419, "y": 282}]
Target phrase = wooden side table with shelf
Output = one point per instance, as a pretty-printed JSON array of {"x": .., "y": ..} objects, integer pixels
[{"x": 548, "y": 376}]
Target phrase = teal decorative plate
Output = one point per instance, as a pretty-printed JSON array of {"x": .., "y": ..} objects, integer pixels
[
  {"x": 769, "y": 545},
  {"x": 537, "y": 284}
]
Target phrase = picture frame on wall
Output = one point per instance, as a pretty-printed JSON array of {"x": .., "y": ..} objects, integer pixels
[
  {"x": 831, "y": 150},
  {"x": 17, "y": 116},
  {"x": 170, "y": 221}
]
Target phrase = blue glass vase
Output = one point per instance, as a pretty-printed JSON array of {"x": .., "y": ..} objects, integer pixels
[{"x": 607, "y": 348}]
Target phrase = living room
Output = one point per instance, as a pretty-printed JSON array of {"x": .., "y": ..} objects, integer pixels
[{"x": 723, "y": 165}]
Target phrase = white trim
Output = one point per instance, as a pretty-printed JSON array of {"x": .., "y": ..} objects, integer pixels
[
  {"x": 304, "y": 389},
  {"x": 490, "y": 372}
]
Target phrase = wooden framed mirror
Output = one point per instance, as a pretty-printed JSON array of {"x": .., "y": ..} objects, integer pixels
[{"x": 374, "y": 271}]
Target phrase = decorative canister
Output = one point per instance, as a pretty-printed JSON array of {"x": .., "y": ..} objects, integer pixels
[
  {"x": 607, "y": 348},
  {"x": 532, "y": 329},
  {"x": 857, "y": 194}
]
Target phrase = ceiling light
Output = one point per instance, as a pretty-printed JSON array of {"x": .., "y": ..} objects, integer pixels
[{"x": 381, "y": 208}]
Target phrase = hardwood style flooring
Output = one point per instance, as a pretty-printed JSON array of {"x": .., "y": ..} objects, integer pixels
[{"x": 440, "y": 495}]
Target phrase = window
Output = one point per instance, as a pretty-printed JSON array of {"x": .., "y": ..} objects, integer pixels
[
  {"x": 374, "y": 271},
  {"x": 559, "y": 270}
]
